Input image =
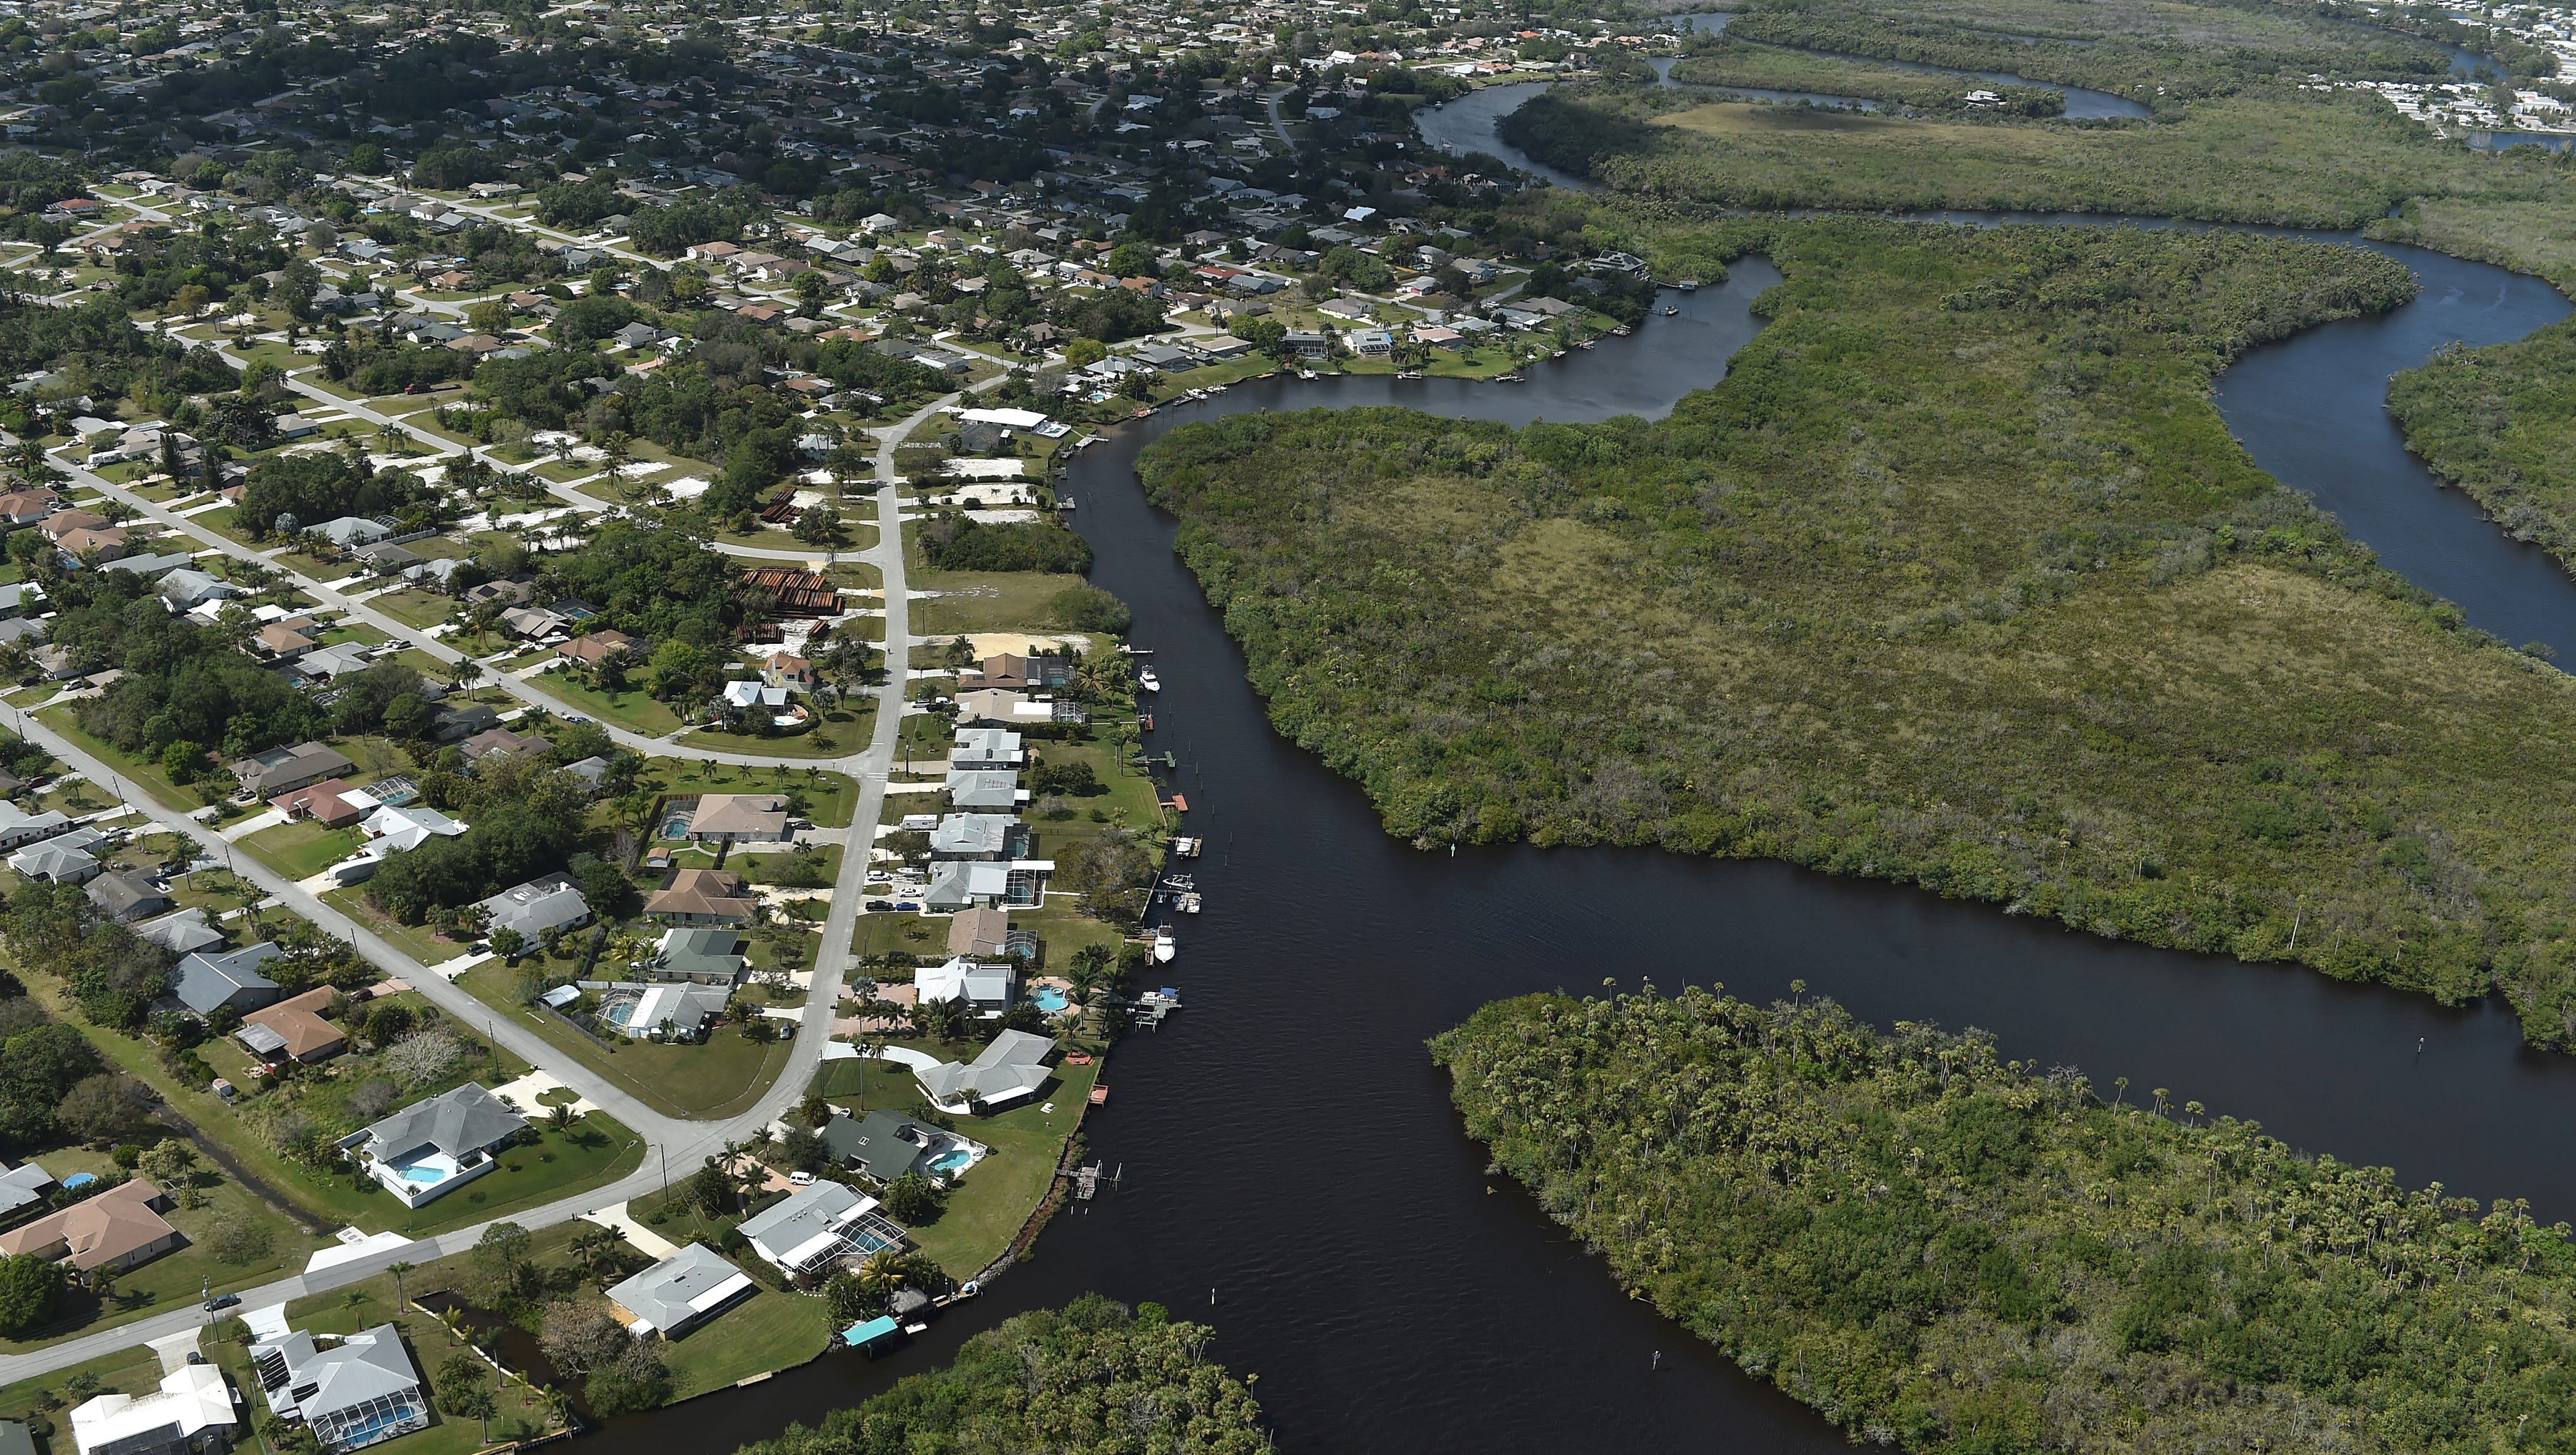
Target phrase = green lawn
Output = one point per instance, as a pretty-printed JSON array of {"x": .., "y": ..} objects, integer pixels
[
  {"x": 982, "y": 601},
  {"x": 301, "y": 849},
  {"x": 594, "y": 1151},
  {"x": 831, "y": 798},
  {"x": 770, "y": 1330},
  {"x": 633, "y": 709},
  {"x": 719, "y": 1078},
  {"x": 417, "y": 941},
  {"x": 844, "y": 730},
  {"x": 413, "y": 606},
  {"x": 988, "y": 1206},
  {"x": 148, "y": 776}
]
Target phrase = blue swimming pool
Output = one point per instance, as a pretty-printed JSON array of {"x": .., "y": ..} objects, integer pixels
[
  {"x": 423, "y": 1175},
  {"x": 79, "y": 1179},
  {"x": 1047, "y": 998},
  {"x": 953, "y": 1162}
]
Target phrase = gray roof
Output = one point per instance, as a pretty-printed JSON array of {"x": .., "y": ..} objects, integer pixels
[
  {"x": 984, "y": 788},
  {"x": 52, "y": 861},
  {"x": 807, "y": 1214},
  {"x": 972, "y": 833},
  {"x": 181, "y": 932},
  {"x": 537, "y": 906},
  {"x": 455, "y": 1122},
  {"x": 713, "y": 950},
  {"x": 125, "y": 892},
  {"x": 22, "y": 1186},
  {"x": 1014, "y": 1065},
  {"x": 681, "y": 1289},
  {"x": 366, "y": 1366},
  {"x": 877, "y": 1145},
  {"x": 203, "y": 982}
]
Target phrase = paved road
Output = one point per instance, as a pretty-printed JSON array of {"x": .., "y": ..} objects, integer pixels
[{"x": 673, "y": 1146}]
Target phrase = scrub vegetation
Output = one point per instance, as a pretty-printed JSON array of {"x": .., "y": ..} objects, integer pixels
[
  {"x": 2500, "y": 422},
  {"x": 1947, "y": 1252},
  {"x": 1090, "y": 1376},
  {"x": 1718, "y": 61},
  {"x": 1956, "y": 579}
]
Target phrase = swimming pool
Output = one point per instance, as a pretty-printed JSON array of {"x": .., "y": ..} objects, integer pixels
[
  {"x": 953, "y": 1162},
  {"x": 424, "y": 1175},
  {"x": 79, "y": 1179},
  {"x": 618, "y": 1009},
  {"x": 1049, "y": 999}
]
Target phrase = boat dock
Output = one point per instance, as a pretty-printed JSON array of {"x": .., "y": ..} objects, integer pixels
[{"x": 1086, "y": 1181}]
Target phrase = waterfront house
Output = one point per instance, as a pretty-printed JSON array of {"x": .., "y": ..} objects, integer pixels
[
  {"x": 1002, "y": 706},
  {"x": 283, "y": 770},
  {"x": 430, "y": 1148},
  {"x": 882, "y": 1146},
  {"x": 983, "y": 748},
  {"x": 1009, "y": 1069},
  {"x": 703, "y": 897},
  {"x": 360, "y": 1391},
  {"x": 206, "y": 983},
  {"x": 294, "y": 1030},
  {"x": 537, "y": 906},
  {"x": 702, "y": 956},
  {"x": 816, "y": 1228},
  {"x": 120, "y": 1228},
  {"x": 679, "y": 1293},
  {"x": 191, "y": 1412},
  {"x": 967, "y": 884},
  {"x": 1016, "y": 673}
]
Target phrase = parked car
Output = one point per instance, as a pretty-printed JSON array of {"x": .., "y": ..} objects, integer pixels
[
  {"x": 222, "y": 1301},
  {"x": 801, "y": 1179},
  {"x": 880, "y": 906}
]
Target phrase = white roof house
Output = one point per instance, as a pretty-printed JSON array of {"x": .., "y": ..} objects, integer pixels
[
  {"x": 354, "y": 1394},
  {"x": 982, "y": 986},
  {"x": 408, "y": 827},
  {"x": 681, "y": 1292},
  {"x": 817, "y": 1226},
  {"x": 1013, "y": 1066},
  {"x": 192, "y": 1401}
]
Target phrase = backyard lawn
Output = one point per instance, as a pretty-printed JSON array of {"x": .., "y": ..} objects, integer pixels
[
  {"x": 417, "y": 941},
  {"x": 721, "y": 1077},
  {"x": 843, "y": 731},
  {"x": 769, "y": 1330},
  {"x": 830, "y": 797}
]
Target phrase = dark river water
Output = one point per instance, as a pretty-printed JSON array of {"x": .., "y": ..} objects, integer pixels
[{"x": 1292, "y": 1171}]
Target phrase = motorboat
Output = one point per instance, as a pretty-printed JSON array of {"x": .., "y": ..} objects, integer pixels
[
  {"x": 1670, "y": 309},
  {"x": 1688, "y": 285},
  {"x": 1185, "y": 848},
  {"x": 1146, "y": 679},
  {"x": 1189, "y": 903},
  {"x": 1164, "y": 947}
]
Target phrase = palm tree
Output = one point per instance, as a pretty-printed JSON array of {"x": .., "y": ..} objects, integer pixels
[
  {"x": 401, "y": 1299},
  {"x": 884, "y": 1272}
]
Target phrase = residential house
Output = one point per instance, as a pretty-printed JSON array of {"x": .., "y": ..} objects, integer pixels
[
  {"x": 1022, "y": 674},
  {"x": 744, "y": 694},
  {"x": 281, "y": 641},
  {"x": 678, "y": 1012},
  {"x": 966, "y": 884},
  {"x": 57, "y": 862},
  {"x": 532, "y": 622},
  {"x": 21, "y": 1188},
  {"x": 1305, "y": 344},
  {"x": 706, "y": 956},
  {"x": 188, "y": 588},
  {"x": 207, "y": 982},
  {"x": 125, "y": 896},
  {"x": 978, "y": 837},
  {"x": 352, "y": 531},
  {"x": 976, "y": 934},
  {"x": 795, "y": 674},
  {"x": 981, "y": 987},
  {"x": 282, "y": 770},
  {"x": 408, "y": 826},
  {"x": 987, "y": 790},
  {"x": 597, "y": 647},
  {"x": 27, "y": 507},
  {"x": 749, "y": 818},
  {"x": 449, "y": 724},
  {"x": 20, "y": 597},
  {"x": 359, "y": 1392},
  {"x": 882, "y": 1146},
  {"x": 17, "y": 826},
  {"x": 1005, "y": 706},
  {"x": 293, "y": 1030},
  {"x": 537, "y": 906},
  {"x": 679, "y": 1293},
  {"x": 182, "y": 933},
  {"x": 501, "y": 740},
  {"x": 120, "y": 1228},
  {"x": 816, "y": 1228},
  {"x": 985, "y": 748},
  {"x": 331, "y": 803},
  {"x": 431, "y": 1148},
  {"x": 87, "y": 545},
  {"x": 191, "y": 1413},
  {"x": 1011, "y": 1068},
  {"x": 703, "y": 897}
]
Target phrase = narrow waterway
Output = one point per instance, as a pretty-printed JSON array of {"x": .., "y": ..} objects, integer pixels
[{"x": 1292, "y": 1172}]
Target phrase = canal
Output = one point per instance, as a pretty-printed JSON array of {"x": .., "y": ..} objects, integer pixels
[{"x": 1292, "y": 1171}]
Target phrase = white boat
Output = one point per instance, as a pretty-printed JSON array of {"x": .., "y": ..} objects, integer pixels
[
  {"x": 1146, "y": 679},
  {"x": 1185, "y": 848},
  {"x": 1064, "y": 503},
  {"x": 1164, "y": 949},
  {"x": 1189, "y": 903}
]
